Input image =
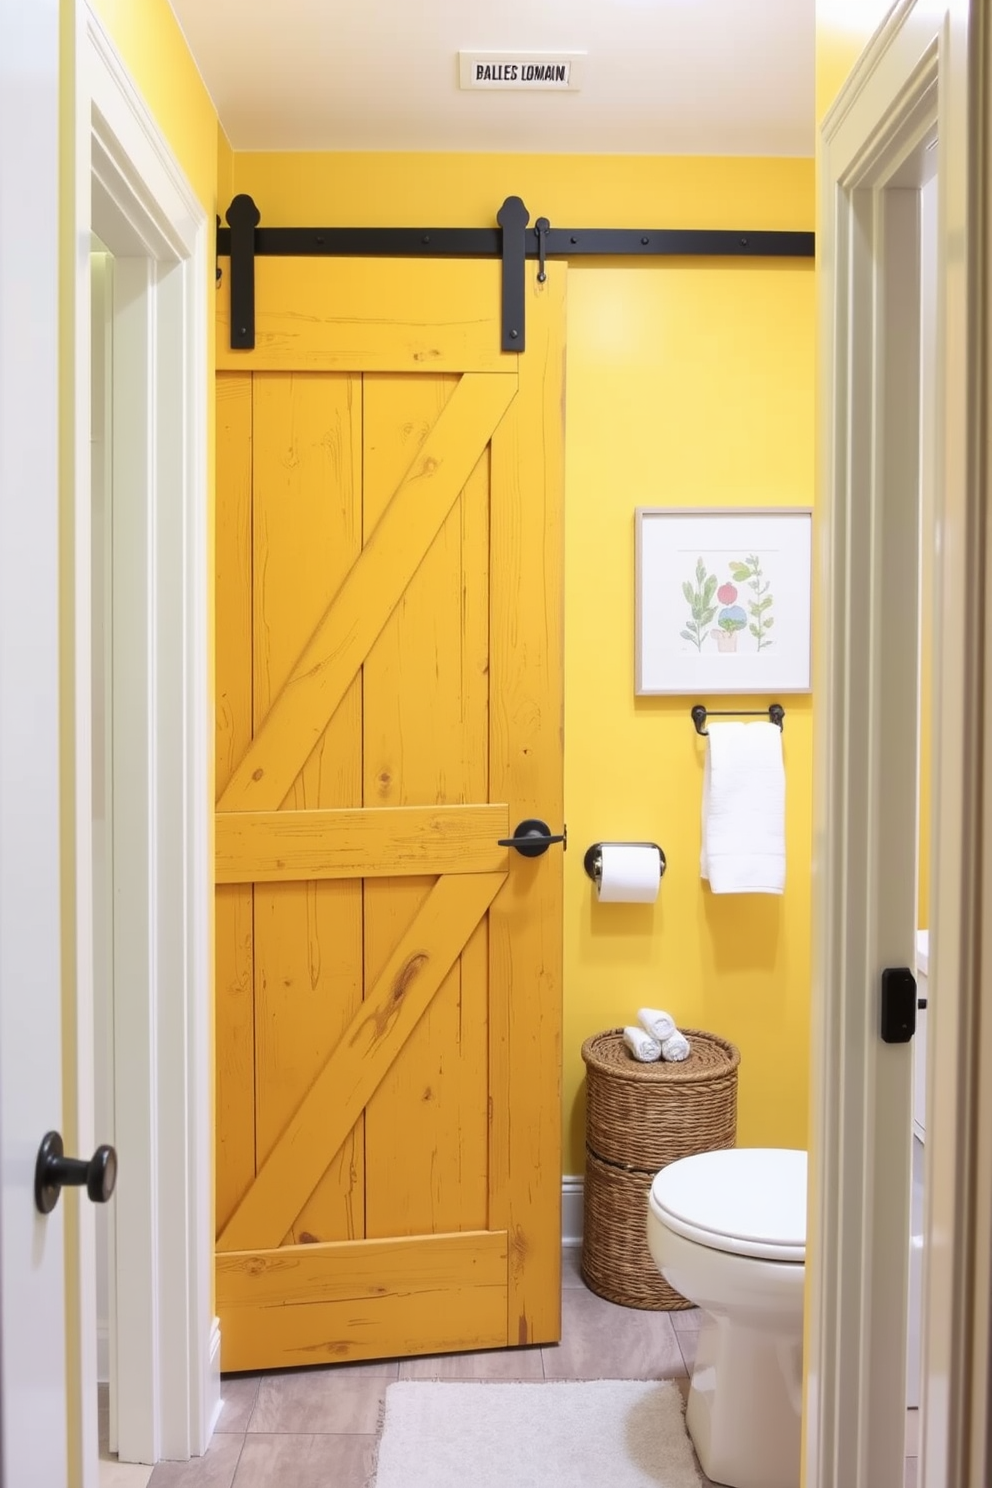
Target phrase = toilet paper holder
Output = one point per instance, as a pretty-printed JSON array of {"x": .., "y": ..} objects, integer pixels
[{"x": 593, "y": 860}]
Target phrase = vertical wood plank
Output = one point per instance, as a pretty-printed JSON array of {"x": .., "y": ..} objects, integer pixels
[
  {"x": 525, "y": 923},
  {"x": 234, "y": 995},
  {"x": 426, "y": 742},
  {"x": 308, "y": 937}
]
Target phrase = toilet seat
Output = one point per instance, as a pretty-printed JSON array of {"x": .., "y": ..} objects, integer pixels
[{"x": 748, "y": 1201}]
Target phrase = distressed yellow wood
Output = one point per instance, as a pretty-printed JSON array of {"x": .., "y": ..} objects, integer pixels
[
  {"x": 233, "y": 723},
  {"x": 327, "y": 1304},
  {"x": 345, "y": 1270},
  {"x": 432, "y": 1175},
  {"x": 419, "y": 963},
  {"x": 233, "y": 933},
  {"x": 433, "y": 1107},
  {"x": 525, "y": 923},
  {"x": 357, "y": 320},
  {"x": 307, "y": 533},
  {"x": 288, "y": 846},
  {"x": 234, "y": 1022},
  {"x": 374, "y": 586},
  {"x": 426, "y": 739}
]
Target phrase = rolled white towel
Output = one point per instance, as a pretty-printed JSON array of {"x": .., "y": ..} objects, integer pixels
[
  {"x": 659, "y": 1024},
  {"x": 675, "y": 1048},
  {"x": 642, "y": 1045}
]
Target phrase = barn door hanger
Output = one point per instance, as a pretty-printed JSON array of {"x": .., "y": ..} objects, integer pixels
[
  {"x": 242, "y": 242},
  {"x": 513, "y": 241}
]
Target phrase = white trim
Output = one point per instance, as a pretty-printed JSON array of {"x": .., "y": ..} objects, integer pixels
[
  {"x": 149, "y": 217},
  {"x": 863, "y": 71},
  {"x": 572, "y": 1213},
  {"x": 865, "y": 787},
  {"x": 213, "y": 1402}
]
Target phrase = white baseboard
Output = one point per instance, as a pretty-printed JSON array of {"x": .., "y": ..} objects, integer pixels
[
  {"x": 571, "y": 1209},
  {"x": 214, "y": 1402},
  {"x": 102, "y": 1351}
]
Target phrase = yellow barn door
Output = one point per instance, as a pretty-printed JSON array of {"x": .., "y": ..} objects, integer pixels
[{"x": 389, "y": 553}]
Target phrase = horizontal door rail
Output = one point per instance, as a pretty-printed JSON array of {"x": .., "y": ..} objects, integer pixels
[
  {"x": 371, "y": 842},
  {"x": 513, "y": 241}
]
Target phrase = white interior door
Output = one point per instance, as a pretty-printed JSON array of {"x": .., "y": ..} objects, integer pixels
[{"x": 43, "y": 1405}]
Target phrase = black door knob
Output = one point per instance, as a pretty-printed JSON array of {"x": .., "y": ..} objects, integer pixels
[
  {"x": 53, "y": 1172},
  {"x": 532, "y": 838}
]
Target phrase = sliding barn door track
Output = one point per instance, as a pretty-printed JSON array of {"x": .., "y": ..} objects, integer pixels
[{"x": 513, "y": 241}]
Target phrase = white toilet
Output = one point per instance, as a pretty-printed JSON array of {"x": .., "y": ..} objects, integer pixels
[{"x": 728, "y": 1231}]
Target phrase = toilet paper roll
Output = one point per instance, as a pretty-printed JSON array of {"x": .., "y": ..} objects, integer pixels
[{"x": 630, "y": 873}]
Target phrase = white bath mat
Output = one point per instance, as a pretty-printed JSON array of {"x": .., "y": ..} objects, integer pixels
[{"x": 588, "y": 1434}]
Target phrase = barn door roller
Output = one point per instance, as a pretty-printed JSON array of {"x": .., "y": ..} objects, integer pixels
[{"x": 513, "y": 242}]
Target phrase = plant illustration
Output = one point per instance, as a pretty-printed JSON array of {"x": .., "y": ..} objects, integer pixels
[
  {"x": 750, "y": 572},
  {"x": 701, "y": 606},
  {"x": 731, "y": 618}
]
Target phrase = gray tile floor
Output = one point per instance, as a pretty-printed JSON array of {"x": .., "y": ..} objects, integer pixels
[{"x": 313, "y": 1428}]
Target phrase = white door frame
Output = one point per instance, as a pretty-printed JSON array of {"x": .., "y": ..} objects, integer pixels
[
  {"x": 133, "y": 194},
  {"x": 916, "y": 70}
]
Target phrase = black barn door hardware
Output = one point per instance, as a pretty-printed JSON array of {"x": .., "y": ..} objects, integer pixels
[
  {"x": 533, "y": 837},
  {"x": 244, "y": 239},
  {"x": 513, "y": 218},
  {"x": 244, "y": 217}
]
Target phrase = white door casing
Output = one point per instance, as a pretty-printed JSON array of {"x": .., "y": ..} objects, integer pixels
[
  {"x": 914, "y": 73},
  {"x": 133, "y": 194},
  {"x": 100, "y": 536},
  {"x": 36, "y": 1375}
]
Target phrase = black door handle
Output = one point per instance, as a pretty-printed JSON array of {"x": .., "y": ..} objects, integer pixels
[
  {"x": 53, "y": 1172},
  {"x": 532, "y": 837}
]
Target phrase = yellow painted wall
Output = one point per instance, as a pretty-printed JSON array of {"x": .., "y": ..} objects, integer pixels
[
  {"x": 149, "y": 39},
  {"x": 225, "y": 172},
  {"x": 689, "y": 383},
  {"x": 843, "y": 30}
]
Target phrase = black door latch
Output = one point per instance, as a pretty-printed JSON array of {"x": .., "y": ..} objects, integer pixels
[{"x": 898, "y": 1005}]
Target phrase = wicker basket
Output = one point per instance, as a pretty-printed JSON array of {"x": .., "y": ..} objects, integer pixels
[{"x": 639, "y": 1118}]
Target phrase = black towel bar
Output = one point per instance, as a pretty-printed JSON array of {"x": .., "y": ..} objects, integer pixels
[{"x": 776, "y": 714}]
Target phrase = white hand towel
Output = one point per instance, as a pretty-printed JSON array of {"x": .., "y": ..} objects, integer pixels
[
  {"x": 642, "y": 1045},
  {"x": 744, "y": 809},
  {"x": 659, "y": 1024},
  {"x": 675, "y": 1048}
]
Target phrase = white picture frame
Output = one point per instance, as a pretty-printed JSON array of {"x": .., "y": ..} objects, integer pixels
[{"x": 723, "y": 600}]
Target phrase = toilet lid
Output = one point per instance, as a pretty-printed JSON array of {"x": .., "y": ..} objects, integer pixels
[{"x": 748, "y": 1200}]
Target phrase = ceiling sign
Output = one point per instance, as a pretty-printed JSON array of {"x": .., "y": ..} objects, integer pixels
[{"x": 555, "y": 72}]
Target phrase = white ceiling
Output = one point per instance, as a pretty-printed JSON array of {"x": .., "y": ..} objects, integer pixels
[{"x": 661, "y": 77}]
